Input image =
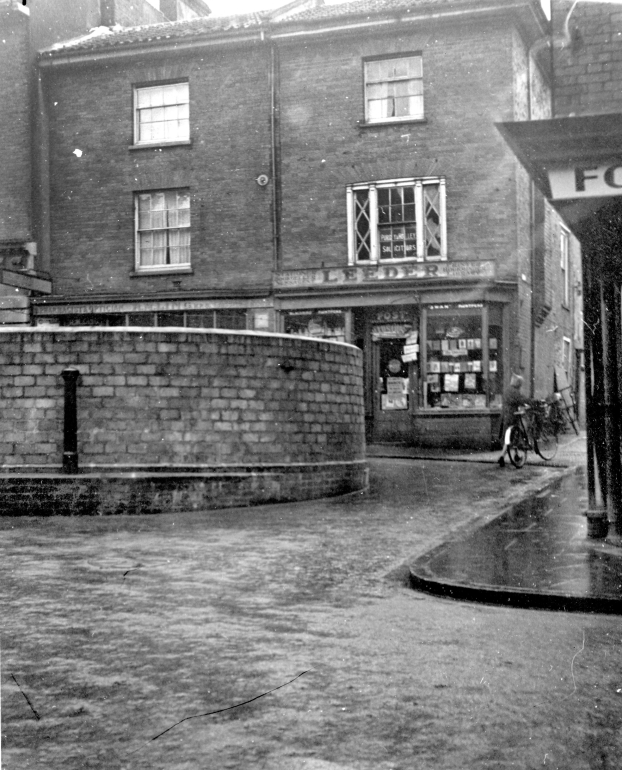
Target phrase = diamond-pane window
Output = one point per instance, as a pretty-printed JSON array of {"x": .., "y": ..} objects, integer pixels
[
  {"x": 361, "y": 225},
  {"x": 399, "y": 220},
  {"x": 432, "y": 214}
]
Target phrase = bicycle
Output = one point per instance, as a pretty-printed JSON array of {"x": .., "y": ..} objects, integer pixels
[{"x": 541, "y": 435}]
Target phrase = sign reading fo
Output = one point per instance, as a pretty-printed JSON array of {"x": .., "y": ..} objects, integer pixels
[{"x": 585, "y": 181}]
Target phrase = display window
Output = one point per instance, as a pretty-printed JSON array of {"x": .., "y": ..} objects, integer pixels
[
  {"x": 326, "y": 324},
  {"x": 463, "y": 357}
]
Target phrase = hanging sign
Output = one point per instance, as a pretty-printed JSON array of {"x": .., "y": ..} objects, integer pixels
[{"x": 586, "y": 181}]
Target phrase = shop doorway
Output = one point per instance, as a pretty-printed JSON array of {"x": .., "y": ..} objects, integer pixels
[{"x": 393, "y": 404}]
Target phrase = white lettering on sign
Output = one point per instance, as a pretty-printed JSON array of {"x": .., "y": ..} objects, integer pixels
[{"x": 586, "y": 181}]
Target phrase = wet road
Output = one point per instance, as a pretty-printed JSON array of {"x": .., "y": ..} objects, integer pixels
[
  {"x": 536, "y": 554},
  {"x": 114, "y": 630}
]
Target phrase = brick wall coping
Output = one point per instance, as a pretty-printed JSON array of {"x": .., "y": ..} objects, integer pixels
[
  {"x": 151, "y": 330},
  {"x": 171, "y": 471}
]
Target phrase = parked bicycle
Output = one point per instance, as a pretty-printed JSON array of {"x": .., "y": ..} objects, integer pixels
[{"x": 539, "y": 433}]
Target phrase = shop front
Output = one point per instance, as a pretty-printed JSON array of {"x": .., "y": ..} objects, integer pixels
[
  {"x": 253, "y": 313},
  {"x": 435, "y": 359}
]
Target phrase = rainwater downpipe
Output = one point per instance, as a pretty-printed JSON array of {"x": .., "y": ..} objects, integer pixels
[
  {"x": 532, "y": 254},
  {"x": 547, "y": 39},
  {"x": 275, "y": 156}
]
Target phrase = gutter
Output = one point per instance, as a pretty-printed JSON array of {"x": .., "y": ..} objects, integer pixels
[{"x": 49, "y": 59}]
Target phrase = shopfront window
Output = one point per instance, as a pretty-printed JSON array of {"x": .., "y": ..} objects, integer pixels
[
  {"x": 464, "y": 361},
  {"x": 325, "y": 324},
  {"x": 495, "y": 357}
]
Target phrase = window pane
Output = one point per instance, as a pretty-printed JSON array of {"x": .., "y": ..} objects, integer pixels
[
  {"x": 455, "y": 378},
  {"x": 373, "y": 70},
  {"x": 200, "y": 319},
  {"x": 414, "y": 67},
  {"x": 231, "y": 319},
  {"x": 181, "y": 92},
  {"x": 394, "y": 88},
  {"x": 362, "y": 225},
  {"x": 162, "y": 113},
  {"x": 160, "y": 215},
  {"x": 143, "y": 97},
  {"x": 432, "y": 217},
  {"x": 156, "y": 97}
]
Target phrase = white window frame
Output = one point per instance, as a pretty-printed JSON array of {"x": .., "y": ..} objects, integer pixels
[
  {"x": 392, "y": 83},
  {"x": 564, "y": 248},
  {"x": 167, "y": 90},
  {"x": 372, "y": 187},
  {"x": 168, "y": 229}
]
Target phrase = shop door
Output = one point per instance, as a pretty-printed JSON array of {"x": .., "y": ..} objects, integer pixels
[{"x": 394, "y": 391}]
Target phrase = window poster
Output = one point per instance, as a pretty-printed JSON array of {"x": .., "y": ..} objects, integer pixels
[
  {"x": 397, "y": 386},
  {"x": 451, "y": 383},
  {"x": 391, "y": 403},
  {"x": 470, "y": 382}
]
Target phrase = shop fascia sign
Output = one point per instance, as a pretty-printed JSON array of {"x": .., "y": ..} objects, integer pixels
[
  {"x": 586, "y": 181},
  {"x": 374, "y": 274}
]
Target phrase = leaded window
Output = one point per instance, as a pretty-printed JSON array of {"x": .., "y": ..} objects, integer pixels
[
  {"x": 394, "y": 89},
  {"x": 397, "y": 220}
]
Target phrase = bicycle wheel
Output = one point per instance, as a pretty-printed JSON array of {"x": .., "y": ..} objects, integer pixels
[
  {"x": 517, "y": 448},
  {"x": 546, "y": 442}
]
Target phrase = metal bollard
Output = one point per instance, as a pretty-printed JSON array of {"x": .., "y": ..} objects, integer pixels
[{"x": 70, "y": 426}]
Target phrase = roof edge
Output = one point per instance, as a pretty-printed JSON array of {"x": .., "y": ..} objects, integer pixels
[{"x": 292, "y": 29}]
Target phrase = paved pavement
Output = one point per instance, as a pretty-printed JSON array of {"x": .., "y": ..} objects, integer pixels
[{"x": 535, "y": 553}]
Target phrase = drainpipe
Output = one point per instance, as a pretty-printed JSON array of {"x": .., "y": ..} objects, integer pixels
[
  {"x": 275, "y": 155},
  {"x": 532, "y": 254},
  {"x": 552, "y": 55}
]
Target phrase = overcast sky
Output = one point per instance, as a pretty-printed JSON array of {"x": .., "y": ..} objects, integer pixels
[{"x": 231, "y": 7}]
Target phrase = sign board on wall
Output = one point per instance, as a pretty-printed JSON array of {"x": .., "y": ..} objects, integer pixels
[
  {"x": 586, "y": 181},
  {"x": 374, "y": 274}
]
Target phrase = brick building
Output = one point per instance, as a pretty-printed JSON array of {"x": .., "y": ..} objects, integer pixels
[
  {"x": 25, "y": 28},
  {"x": 332, "y": 171},
  {"x": 575, "y": 158}
]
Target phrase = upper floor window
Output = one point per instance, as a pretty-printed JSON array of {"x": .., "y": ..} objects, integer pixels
[
  {"x": 564, "y": 242},
  {"x": 396, "y": 220},
  {"x": 394, "y": 89},
  {"x": 161, "y": 114},
  {"x": 162, "y": 230}
]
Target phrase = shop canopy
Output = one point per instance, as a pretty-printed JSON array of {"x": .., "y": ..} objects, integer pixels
[{"x": 576, "y": 162}]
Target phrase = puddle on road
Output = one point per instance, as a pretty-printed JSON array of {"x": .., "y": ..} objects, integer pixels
[{"x": 541, "y": 546}]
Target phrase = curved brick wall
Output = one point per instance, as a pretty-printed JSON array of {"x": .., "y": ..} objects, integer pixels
[{"x": 283, "y": 413}]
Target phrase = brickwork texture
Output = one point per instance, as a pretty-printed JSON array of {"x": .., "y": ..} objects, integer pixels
[
  {"x": 14, "y": 127},
  {"x": 588, "y": 58},
  {"x": 176, "y": 398}
]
